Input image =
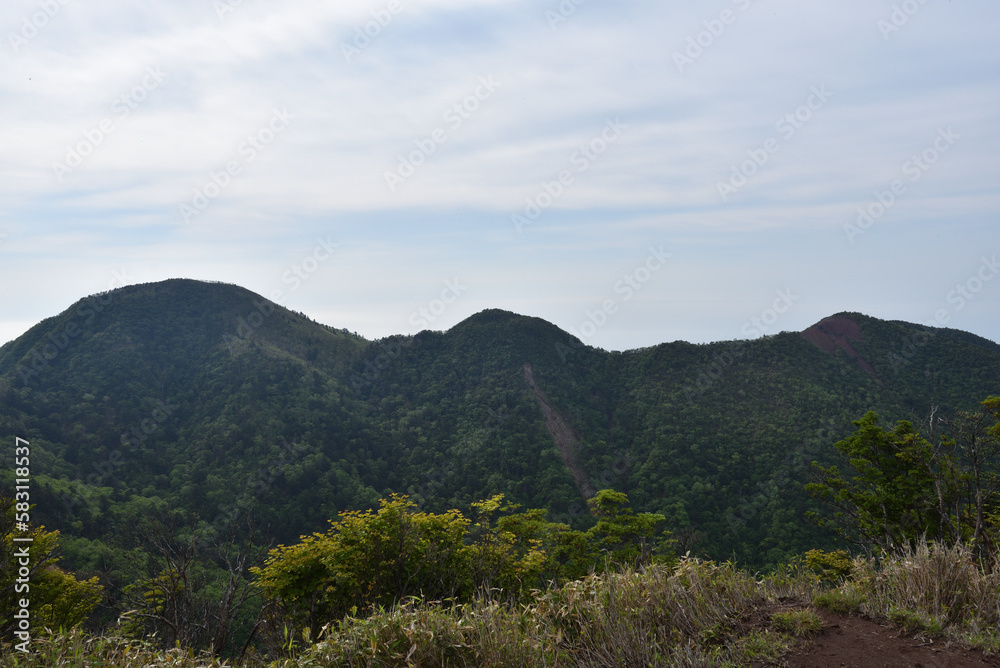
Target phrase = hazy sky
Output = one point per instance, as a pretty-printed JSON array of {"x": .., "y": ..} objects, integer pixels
[{"x": 659, "y": 170}]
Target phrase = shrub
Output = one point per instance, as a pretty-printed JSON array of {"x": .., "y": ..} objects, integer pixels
[{"x": 833, "y": 566}]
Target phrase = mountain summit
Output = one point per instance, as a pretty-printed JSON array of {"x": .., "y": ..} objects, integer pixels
[{"x": 210, "y": 398}]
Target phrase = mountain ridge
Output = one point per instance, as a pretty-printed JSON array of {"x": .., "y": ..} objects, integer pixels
[{"x": 718, "y": 437}]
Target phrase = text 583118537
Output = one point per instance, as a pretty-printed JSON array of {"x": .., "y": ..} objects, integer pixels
[
  {"x": 22, "y": 491},
  {"x": 22, "y": 555}
]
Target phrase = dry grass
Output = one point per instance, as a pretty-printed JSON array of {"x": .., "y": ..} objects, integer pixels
[
  {"x": 76, "y": 649},
  {"x": 934, "y": 589},
  {"x": 690, "y": 615},
  {"x": 798, "y": 623},
  {"x": 694, "y": 614}
]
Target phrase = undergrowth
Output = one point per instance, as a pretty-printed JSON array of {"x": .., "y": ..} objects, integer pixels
[{"x": 696, "y": 613}]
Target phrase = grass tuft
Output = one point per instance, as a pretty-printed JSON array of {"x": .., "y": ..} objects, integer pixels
[{"x": 797, "y": 623}]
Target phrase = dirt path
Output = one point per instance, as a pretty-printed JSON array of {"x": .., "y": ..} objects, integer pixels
[
  {"x": 566, "y": 439},
  {"x": 853, "y": 641}
]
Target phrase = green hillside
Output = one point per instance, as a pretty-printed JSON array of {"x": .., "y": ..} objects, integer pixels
[{"x": 209, "y": 398}]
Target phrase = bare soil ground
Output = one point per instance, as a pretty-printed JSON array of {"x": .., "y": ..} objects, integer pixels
[{"x": 854, "y": 641}]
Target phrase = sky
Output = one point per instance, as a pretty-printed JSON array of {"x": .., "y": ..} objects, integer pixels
[{"x": 634, "y": 172}]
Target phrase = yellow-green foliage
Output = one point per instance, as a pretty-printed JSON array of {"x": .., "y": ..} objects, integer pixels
[
  {"x": 57, "y": 598},
  {"x": 62, "y": 600},
  {"x": 370, "y": 559},
  {"x": 367, "y": 559},
  {"x": 830, "y": 566}
]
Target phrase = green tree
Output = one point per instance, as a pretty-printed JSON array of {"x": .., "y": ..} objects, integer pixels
[
  {"x": 627, "y": 538},
  {"x": 905, "y": 486},
  {"x": 507, "y": 554},
  {"x": 889, "y": 501},
  {"x": 368, "y": 559},
  {"x": 56, "y": 598}
]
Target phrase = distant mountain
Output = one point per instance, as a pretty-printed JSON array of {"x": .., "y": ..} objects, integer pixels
[{"x": 208, "y": 397}]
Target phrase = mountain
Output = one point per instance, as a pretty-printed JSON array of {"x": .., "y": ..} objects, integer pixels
[{"x": 208, "y": 397}]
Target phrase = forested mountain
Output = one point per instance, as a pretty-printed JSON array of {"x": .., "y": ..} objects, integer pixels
[{"x": 207, "y": 397}]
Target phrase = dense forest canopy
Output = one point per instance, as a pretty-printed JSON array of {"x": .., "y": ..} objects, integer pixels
[{"x": 207, "y": 398}]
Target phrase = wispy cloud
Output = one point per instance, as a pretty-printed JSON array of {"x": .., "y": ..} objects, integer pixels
[{"x": 367, "y": 82}]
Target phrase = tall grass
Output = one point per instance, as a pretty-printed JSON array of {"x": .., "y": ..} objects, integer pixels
[
  {"x": 931, "y": 588},
  {"x": 693, "y": 614},
  {"x": 74, "y": 648}
]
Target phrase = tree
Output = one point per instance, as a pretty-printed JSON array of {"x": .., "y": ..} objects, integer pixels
[
  {"x": 507, "y": 555},
  {"x": 971, "y": 447},
  {"x": 372, "y": 559},
  {"x": 889, "y": 500},
  {"x": 57, "y": 599},
  {"x": 625, "y": 537},
  {"x": 905, "y": 487},
  {"x": 368, "y": 559},
  {"x": 184, "y": 596}
]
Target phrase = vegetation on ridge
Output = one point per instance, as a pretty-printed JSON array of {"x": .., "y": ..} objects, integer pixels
[{"x": 179, "y": 430}]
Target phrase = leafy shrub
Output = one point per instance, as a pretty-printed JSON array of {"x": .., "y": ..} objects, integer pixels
[{"x": 833, "y": 566}]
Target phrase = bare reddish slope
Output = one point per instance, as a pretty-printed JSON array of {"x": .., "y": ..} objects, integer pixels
[
  {"x": 567, "y": 440},
  {"x": 838, "y": 332}
]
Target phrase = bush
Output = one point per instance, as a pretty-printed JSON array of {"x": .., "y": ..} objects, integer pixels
[{"x": 832, "y": 567}]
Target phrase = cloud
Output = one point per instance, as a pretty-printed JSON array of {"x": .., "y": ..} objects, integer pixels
[{"x": 368, "y": 84}]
